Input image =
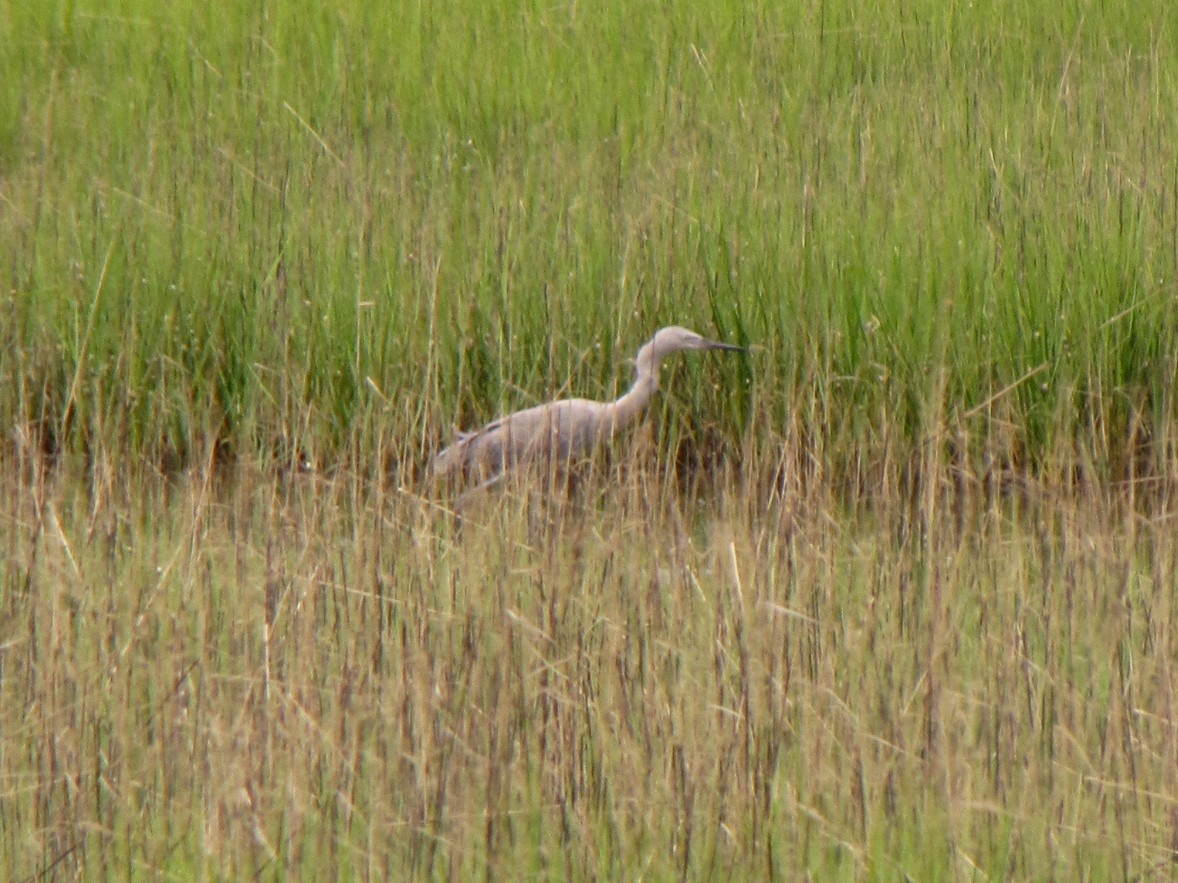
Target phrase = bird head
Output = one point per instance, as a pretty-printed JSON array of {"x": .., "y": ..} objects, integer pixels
[{"x": 673, "y": 338}]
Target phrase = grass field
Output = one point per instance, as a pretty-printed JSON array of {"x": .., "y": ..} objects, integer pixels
[{"x": 891, "y": 596}]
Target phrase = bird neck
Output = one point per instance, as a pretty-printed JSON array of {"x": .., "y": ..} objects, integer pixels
[{"x": 646, "y": 384}]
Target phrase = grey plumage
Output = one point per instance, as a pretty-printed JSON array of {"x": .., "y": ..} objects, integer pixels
[{"x": 568, "y": 428}]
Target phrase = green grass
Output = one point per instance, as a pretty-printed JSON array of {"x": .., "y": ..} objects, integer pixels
[
  {"x": 892, "y": 596},
  {"x": 265, "y": 209}
]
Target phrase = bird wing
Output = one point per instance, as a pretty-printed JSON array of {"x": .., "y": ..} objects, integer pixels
[
  {"x": 566, "y": 427},
  {"x": 463, "y": 451}
]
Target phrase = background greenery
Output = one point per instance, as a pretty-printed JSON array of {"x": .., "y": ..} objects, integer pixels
[{"x": 243, "y": 224}]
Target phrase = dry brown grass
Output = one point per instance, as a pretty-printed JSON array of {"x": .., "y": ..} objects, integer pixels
[{"x": 306, "y": 676}]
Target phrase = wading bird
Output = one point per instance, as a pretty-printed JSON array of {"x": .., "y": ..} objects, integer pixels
[{"x": 566, "y": 429}]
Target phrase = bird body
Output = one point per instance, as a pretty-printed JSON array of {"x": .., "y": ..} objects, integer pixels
[{"x": 568, "y": 428}]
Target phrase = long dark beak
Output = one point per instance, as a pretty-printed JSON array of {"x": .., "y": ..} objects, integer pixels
[{"x": 732, "y": 348}]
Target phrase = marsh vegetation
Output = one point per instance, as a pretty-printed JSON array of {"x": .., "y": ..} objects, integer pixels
[{"x": 892, "y": 595}]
